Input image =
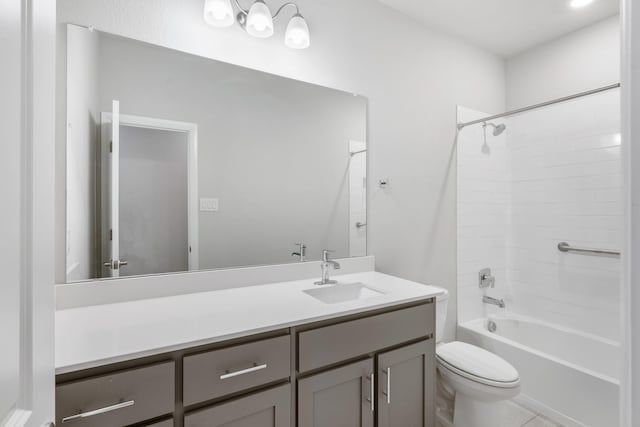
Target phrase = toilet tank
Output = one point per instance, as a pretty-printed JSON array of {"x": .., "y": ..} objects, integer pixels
[{"x": 441, "y": 314}]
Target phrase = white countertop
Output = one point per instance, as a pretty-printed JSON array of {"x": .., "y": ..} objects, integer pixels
[{"x": 92, "y": 336}]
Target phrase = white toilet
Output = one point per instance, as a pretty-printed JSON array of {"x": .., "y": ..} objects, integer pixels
[{"x": 477, "y": 380}]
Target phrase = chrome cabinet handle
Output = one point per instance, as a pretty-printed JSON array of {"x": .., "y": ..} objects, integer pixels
[
  {"x": 99, "y": 411},
  {"x": 387, "y": 372},
  {"x": 254, "y": 368},
  {"x": 372, "y": 391}
]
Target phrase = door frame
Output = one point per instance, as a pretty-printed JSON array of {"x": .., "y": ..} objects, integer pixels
[
  {"x": 35, "y": 394},
  {"x": 191, "y": 130},
  {"x": 629, "y": 289}
]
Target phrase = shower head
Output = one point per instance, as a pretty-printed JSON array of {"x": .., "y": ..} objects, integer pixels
[{"x": 497, "y": 129}]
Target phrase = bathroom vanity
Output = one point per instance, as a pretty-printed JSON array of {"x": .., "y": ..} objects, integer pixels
[
  {"x": 205, "y": 167},
  {"x": 308, "y": 360}
]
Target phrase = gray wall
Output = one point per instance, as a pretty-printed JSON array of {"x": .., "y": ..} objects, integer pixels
[
  {"x": 275, "y": 152},
  {"x": 153, "y": 201},
  {"x": 580, "y": 61},
  {"x": 412, "y": 76}
]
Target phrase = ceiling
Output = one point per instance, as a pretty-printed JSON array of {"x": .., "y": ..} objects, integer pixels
[{"x": 505, "y": 27}]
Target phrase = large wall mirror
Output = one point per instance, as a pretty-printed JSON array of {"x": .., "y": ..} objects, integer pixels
[{"x": 178, "y": 163}]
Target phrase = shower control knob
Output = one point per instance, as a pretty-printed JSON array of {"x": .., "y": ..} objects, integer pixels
[{"x": 486, "y": 279}]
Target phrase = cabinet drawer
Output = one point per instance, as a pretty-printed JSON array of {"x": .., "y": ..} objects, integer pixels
[
  {"x": 220, "y": 372},
  {"x": 117, "y": 399},
  {"x": 270, "y": 408},
  {"x": 332, "y": 344}
]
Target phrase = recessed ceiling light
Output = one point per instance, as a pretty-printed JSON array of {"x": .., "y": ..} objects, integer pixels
[{"x": 580, "y": 3}]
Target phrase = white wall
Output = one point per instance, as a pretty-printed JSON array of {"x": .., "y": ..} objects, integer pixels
[
  {"x": 413, "y": 78},
  {"x": 583, "y": 60},
  {"x": 82, "y": 123}
]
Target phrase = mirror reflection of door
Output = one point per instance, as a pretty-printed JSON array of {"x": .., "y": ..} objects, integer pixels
[
  {"x": 357, "y": 198},
  {"x": 148, "y": 196}
]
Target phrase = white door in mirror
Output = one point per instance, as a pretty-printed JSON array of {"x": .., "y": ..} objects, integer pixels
[{"x": 113, "y": 264}]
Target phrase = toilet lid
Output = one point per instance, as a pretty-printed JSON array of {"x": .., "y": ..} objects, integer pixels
[{"x": 476, "y": 363}]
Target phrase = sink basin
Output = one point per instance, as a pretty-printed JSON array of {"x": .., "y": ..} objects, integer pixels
[{"x": 342, "y": 293}]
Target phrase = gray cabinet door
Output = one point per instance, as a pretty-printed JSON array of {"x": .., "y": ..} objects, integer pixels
[
  {"x": 340, "y": 397},
  {"x": 271, "y": 408},
  {"x": 406, "y": 386}
]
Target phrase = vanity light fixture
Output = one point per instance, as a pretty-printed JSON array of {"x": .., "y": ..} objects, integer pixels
[
  {"x": 258, "y": 20},
  {"x": 218, "y": 13}
]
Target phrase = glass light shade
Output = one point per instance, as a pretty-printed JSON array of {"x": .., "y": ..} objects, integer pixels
[
  {"x": 297, "y": 35},
  {"x": 218, "y": 13},
  {"x": 259, "y": 20}
]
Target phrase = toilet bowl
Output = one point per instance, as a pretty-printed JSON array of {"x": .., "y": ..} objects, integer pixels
[{"x": 477, "y": 380}]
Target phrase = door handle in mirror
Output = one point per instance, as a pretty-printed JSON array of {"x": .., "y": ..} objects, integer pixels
[{"x": 116, "y": 264}]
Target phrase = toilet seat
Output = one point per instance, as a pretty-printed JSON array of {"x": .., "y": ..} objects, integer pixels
[{"x": 477, "y": 365}]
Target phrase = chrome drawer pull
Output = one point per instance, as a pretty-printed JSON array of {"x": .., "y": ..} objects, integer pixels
[
  {"x": 372, "y": 391},
  {"x": 388, "y": 392},
  {"x": 254, "y": 368},
  {"x": 99, "y": 411}
]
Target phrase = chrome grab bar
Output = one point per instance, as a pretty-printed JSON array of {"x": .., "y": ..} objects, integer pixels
[
  {"x": 565, "y": 247},
  {"x": 99, "y": 411},
  {"x": 255, "y": 367}
]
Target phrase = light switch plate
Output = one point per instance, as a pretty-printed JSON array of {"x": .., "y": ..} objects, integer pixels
[{"x": 208, "y": 205}]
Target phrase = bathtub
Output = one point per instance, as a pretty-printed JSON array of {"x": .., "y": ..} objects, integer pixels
[{"x": 569, "y": 376}]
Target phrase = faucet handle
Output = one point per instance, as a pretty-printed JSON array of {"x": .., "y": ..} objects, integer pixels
[
  {"x": 325, "y": 254},
  {"x": 302, "y": 252},
  {"x": 486, "y": 279}
]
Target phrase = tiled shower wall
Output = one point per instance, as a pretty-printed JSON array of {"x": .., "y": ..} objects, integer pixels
[
  {"x": 558, "y": 179},
  {"x": 483, "y": 213}
]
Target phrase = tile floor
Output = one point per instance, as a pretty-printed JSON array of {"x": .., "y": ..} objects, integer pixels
[{"x": 520, "y": 416}]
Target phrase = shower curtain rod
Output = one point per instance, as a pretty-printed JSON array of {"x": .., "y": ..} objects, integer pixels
[{"x": 543, "y": 104}]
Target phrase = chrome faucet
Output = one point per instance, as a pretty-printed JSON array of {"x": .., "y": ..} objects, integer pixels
[
  {"x": 326, "y": 263},
  {"x": 493, "y": 301},
  {"x": 302, "y": 252}
]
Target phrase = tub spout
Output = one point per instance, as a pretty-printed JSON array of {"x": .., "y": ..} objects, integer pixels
[{"x": 493, "y": 301}]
